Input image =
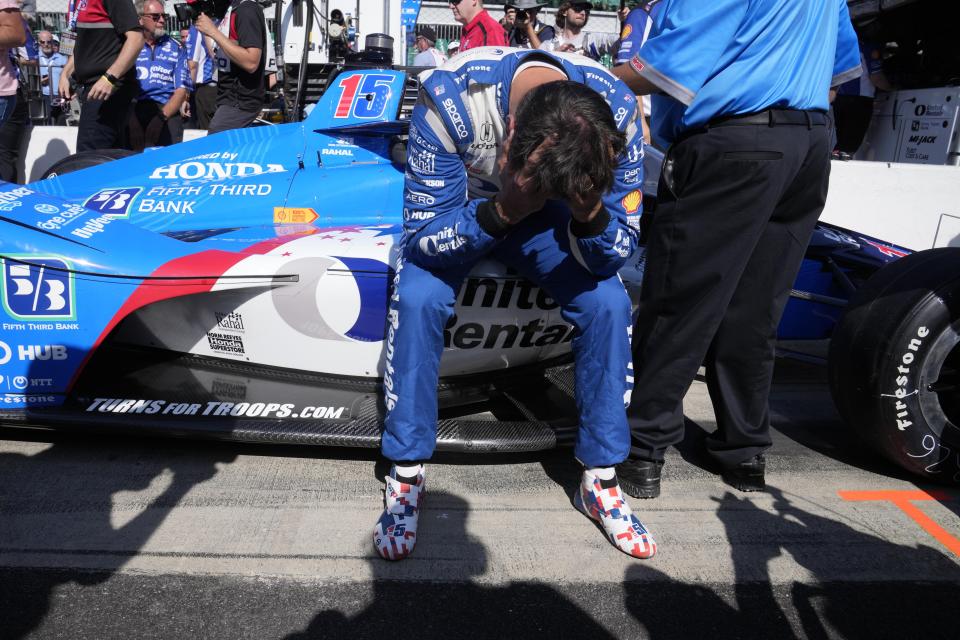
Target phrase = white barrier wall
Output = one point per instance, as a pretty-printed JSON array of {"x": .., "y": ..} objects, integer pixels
[{"x": 912, "y": 205}]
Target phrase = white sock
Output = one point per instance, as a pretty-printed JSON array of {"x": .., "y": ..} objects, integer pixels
[
  {"x": 408, "y": 472},
  {"x": 604, "y": 473}
]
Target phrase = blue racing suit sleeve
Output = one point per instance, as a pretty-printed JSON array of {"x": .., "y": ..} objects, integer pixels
[
  {"x": 441, "y": 226},
  {"x": 846, "y": 65},
  {"x": 604, "y": 245}
]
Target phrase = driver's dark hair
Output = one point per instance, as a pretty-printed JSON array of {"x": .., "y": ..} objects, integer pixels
[{"x": 586, "y": 144}]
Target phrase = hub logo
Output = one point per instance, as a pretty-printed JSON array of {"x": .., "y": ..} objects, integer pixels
[
  {"x": 33, "y": 352},
  {"x": 41, "y": 290},
  {"x": 115, "y": 202}
]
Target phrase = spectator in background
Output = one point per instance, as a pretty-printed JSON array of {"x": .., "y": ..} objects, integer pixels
[
  {"x": 109, "y": 39},
  {"x": 428, "y": 56},
  {"x": 452, "y": 49},
  {"x": 633, "y": 33},
  {"x": 572, "y": 17},
  {"x": 201, "y": 56},
  {"x": 12, "y": 35},
  {"x": 479, "y": 27},
  {"x": 338, "y": 32},
  {"x": 509, "y": 17},
  {"x": 241, "y": 42},
  {"x": 17, "y": 120},
  {"x": 853, "y": 106},
  {"x": 164, "y": 83},
  {"x": 51, "y": 64},
  {"x": 529, "y": 32}
]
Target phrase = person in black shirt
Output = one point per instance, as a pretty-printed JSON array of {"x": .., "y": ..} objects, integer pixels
[
  {"x": 241, "y": 40},
  {"x": 108, "y": 42}
]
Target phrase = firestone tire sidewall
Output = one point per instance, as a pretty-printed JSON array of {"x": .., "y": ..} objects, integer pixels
[{"x": 911, "y": 427}]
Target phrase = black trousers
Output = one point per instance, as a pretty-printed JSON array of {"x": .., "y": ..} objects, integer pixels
[
  {"x": 736, "y": 205},
  {"x": 103, "y": 123},
  {"x": 853, "y": 114},
  {"x": 148, "y": 129},
  {"x": 204, "y": 104},
  {"x": 229, "y": 117},
  {"x": 11, "y": 136}
]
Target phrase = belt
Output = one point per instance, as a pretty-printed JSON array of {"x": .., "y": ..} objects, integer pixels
[{"x": 773, "y": 117}]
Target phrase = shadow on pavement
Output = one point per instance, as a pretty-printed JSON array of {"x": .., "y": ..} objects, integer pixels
[
  {"x": 876, "y": 598},
  {"x": 57, "y": 507},
  {"x": 467, "y": 609}
]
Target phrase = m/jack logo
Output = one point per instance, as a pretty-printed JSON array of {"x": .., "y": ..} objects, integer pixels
[{"x": 39, "y": 290}]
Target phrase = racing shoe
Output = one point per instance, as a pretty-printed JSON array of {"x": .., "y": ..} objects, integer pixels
[
  {"x": 396, "y": 532},
  {"x": 603, "y": 501}
]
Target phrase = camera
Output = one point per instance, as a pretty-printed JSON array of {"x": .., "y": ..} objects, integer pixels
[
  {"x": 189, "y": 11},
  {"x": 522, "y": 15}
]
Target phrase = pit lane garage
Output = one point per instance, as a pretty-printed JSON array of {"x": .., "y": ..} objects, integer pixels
[{"x": 236, "y": 287}]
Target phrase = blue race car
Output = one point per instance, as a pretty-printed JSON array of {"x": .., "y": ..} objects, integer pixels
[{"x": 236, "y": 286}]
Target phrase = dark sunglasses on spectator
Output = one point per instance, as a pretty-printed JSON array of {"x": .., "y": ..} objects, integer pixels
[
  {"x": 454, "y": 2},
  {"x": 581, "y": 7},
  {"x": 156, "y": 17},
  {"x": 46, "y": 41}
]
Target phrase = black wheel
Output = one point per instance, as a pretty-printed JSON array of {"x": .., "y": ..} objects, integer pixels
[
  {"x": 84, "y": 160},
  {"x": 895, "y": 363}
]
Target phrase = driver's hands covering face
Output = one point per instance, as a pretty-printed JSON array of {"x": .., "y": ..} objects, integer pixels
[{"x": 518, "y": 195}]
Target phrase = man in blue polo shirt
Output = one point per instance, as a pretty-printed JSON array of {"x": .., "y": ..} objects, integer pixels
[
  {"x": 164, "y": 84},
  {"x": 740, "y": 96}
]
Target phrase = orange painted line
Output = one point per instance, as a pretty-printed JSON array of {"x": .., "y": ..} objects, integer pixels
[
  {"x": 893, "y": 496},
  {"x": 903, "y": 500},
  {"x": 939, "y": 533}
]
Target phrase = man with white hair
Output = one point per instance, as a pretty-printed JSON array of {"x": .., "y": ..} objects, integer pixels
[
  {"x": 51, "y": 63},
  {"x": 164, "y": 82}
]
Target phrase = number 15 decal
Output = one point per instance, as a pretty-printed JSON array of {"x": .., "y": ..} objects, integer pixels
[{"x": 363, "y": 96}]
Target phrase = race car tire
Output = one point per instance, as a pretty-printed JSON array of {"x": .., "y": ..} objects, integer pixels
[
  {"x": 84, "y": 160},
  {"x": 894, "y": 363}
]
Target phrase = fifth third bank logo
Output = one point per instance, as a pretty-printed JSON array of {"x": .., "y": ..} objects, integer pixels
[{"x": 41, "y": 290}]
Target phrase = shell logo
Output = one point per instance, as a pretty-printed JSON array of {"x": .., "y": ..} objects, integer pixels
[
  {"x": 631, "y": 201},
  {"x": 627, "y": 30}
]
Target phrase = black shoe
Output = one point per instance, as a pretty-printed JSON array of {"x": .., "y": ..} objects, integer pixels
[
  {"x": 640, "y": 478},
  {"x": 747, "y": 476}
]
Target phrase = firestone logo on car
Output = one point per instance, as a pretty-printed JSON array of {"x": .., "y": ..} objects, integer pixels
[{"x": 212, "y": 170}]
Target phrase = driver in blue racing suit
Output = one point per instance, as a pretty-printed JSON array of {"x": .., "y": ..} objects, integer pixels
[{"x": 534, "y": 159}]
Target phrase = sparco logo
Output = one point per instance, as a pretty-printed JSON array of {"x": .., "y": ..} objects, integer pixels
[{"x": 455, "y": 118}]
